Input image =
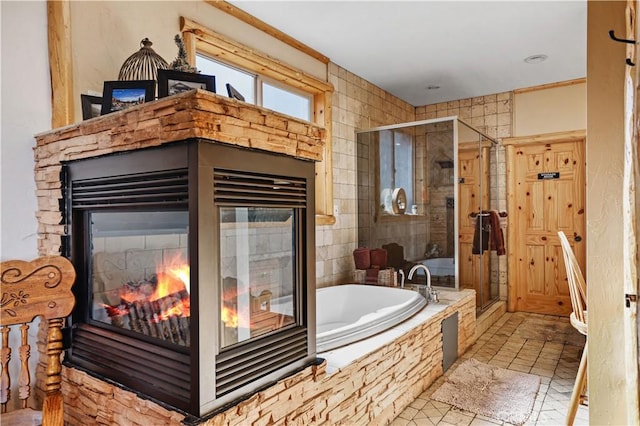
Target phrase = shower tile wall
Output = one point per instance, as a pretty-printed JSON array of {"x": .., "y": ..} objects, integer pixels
[
  {"x": 440, "y": 184},
  {"x": 356, "y": 104},
  {"x": 491, "y": 114}
]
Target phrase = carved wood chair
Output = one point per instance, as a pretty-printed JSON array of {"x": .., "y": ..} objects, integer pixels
[
  {"x": 578, "y": 319},
  {"x": 42, "y": 288}
]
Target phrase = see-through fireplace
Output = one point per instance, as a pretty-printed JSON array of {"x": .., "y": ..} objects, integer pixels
[{"x": 196, "y": 270}]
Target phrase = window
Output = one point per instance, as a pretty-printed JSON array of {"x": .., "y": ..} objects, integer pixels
[
  {"x": 256, "y": 90},
  {"x": 396, "y": 171},
  {"x": 276, "y": 84},
  {"x": 286, "y": 101},
  {"x": 242, "y": 81}
]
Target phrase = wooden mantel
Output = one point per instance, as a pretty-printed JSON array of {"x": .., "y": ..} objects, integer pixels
[{"x": 193, "y": 114}]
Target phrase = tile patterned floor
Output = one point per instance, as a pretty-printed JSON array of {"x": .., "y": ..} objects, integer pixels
[{"x": 536, "y": 344}]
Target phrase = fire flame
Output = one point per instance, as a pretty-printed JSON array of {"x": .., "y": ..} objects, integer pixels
[
  {"x": 229, "y": 316},
  {"x": 229, "y": 312},
  {"x": 171, "y": 292}
]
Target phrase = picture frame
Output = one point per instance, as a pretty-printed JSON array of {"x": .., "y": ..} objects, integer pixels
[
  {"x": 120, "y": 95},
  {"x": 233, "y": 93},
  {"x": 91, "y": 106},
  {"x": 171, "y": 82}
]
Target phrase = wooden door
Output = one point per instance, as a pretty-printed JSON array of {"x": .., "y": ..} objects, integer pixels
[
  {"x": 546, "y": 194},
  {"x": 474, "y": 269}
]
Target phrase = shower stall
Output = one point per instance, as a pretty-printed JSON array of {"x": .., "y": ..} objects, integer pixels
[{"x": 431, "y": 192}]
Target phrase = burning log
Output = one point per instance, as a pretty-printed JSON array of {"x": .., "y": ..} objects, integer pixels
[{"x": 146, "y": 307}]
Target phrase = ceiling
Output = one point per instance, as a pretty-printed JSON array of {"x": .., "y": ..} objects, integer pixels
[{"x": 466, "y": 48}]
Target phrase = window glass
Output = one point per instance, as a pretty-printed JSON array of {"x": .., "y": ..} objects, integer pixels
[
  {"x": 242, "y": 81},
  {"x": 286, "y": 102},
  {"x": 403, "y": 162},
  {"x": 140, "y": 275},
  {"x": 386, "y": 170},
  {"x": 396, "y": 167},
  {"x": 258, "y": 257}
]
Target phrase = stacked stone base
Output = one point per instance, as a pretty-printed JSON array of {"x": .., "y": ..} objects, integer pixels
[{"x": 373, "y": 390}]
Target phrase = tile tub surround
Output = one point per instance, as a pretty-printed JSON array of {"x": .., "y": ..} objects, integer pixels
[{"x": 366, "y": 383}]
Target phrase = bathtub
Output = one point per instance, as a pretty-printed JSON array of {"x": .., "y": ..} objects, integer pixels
[
  {"x": 440, "y": 266},
  {"x": 351, "y": 312}
]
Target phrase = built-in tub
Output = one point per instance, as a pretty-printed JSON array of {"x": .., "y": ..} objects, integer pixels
[
  {"x": 350, "y": 312},
  {"x": 440, "y": 266}
]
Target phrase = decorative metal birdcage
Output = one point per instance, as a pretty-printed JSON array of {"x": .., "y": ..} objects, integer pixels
[{"x": 142, "y": 65}]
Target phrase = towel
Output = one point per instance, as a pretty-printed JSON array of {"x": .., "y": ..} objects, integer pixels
[
  {"x": 497, "y": 236},
  {"x": 488, "y": 232},
  {"x": 481, "y": 235}
]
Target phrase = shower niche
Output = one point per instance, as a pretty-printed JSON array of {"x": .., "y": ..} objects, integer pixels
[{"x": 426, "y": 191}]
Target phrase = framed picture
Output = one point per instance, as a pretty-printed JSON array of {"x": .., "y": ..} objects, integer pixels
[
  {"x": 233, "y": 93},
  {"x": 119, "y": 95},
  {"x": 91, "y": 106},
  {"x": 171, "y": 82}
]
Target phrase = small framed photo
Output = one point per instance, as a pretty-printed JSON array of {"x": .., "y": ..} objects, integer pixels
[
  {"x": 171, "y": 82},
  {"x": 91, "y": 106},
  {"x": 233, "y": 93},
  {"x": 119, "y": 95}
]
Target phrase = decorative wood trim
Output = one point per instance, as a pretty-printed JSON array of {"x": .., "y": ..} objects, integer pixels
[
  {"x": 60, "y": 62},
  {"x": 511, "y": 237},
  {"x": 189, "y": 40},
  {"x": 266, "y": 28},
  {"x": 550, "y": 85},
  {"x": 227, "y": 50},
  {"x": 569, "y": 136},
  {"x": 324, "y": 168}
]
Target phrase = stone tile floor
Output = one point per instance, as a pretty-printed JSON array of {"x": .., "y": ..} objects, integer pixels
[{"x": 532, "y": 343}]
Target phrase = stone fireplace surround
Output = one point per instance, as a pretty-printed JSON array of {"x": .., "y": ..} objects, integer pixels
[{"x": 375, "y": 388}]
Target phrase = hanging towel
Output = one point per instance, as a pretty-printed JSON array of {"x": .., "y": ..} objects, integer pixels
[
  {"x": 481, "y": 235},
  {"x": 497, "y": 236}
]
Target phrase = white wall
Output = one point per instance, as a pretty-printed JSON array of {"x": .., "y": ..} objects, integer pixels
[
  {"x": 25, "y": 107},
  {"x": 25, "y": 94},
  {"x": 550, "y": 110},
  {"x": 105, "y": 33}
]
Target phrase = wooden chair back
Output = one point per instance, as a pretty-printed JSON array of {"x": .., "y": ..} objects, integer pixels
[
  {"x": 577, "y": 284},
  {"x": 40, "y": 288}
]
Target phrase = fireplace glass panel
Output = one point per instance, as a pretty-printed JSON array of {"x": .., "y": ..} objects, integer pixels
[
  {"x": 140, "y": 273},
  {"x": 257, "y": 253}
]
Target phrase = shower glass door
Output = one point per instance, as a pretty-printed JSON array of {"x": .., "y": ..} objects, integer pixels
[{"x": 445, "y": 173}]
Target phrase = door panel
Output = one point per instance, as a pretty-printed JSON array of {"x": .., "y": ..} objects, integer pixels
[{"x": 546, "y": 195}]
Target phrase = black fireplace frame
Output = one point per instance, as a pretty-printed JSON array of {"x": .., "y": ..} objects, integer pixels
[{"x": 180, "y": 176}]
